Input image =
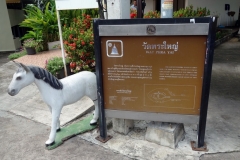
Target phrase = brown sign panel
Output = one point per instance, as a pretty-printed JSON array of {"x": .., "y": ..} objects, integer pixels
[{"x": 161, "y": 74}]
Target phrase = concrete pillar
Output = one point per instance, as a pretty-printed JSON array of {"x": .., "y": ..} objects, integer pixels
[
  {"x": 165, "y": 134},
  {"x": 122, "y": 126},
  {"x": 118, "y": 9}
]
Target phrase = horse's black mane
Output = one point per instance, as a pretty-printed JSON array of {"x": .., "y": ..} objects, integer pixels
[{"x": 47, "y": 77}]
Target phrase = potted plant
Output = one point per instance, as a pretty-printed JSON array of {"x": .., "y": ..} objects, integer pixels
[
  {"x": 37, "y": 36},
  {"x": 231, "y": 13},
  {"x": 152, "y": 14},
  {"x": 30, "y": 46},
  {"x": 56, "y": 67}
]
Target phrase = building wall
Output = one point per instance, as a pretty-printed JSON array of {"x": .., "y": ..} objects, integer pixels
[
  {"x": 217, "y": 7},
  {"x": 15, "y": 16},
  {"x": 150, "y": 5},
  {"x": 6, "y": 37}
]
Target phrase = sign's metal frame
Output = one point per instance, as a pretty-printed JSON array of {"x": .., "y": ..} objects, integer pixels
[{"x": 163, "y": 27}]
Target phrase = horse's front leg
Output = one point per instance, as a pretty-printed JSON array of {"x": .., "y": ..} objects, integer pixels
[
  {"x": 58, "y": 122},
  {"x": 96, "y": 113},
  {"x": 55, "y": 123}
]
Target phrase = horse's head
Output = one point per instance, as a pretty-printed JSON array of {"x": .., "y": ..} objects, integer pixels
[{"x": 21, "y": 78}]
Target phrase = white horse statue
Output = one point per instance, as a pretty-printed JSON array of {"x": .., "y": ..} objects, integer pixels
[{"x": 56, "y": 93}]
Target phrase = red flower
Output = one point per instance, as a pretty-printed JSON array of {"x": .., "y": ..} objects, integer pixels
[
  {"x": 73, "y": 65},
  {"x": 133, "y": 15}
]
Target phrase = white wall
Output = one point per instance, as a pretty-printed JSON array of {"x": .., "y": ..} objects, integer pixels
[
  {"x": 6, "y": 37},
  {"x": 217, "y": 7}
]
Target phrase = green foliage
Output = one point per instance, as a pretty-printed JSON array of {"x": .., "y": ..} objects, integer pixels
[
  {"x": 68, "y": 15},
  {"x": 221, "y": 33},
  {"x": 37, "y": 35},
  {"x": 43, "y": 24},
  {"x": 55, "y": 65},
  {"x": 190, "y": 12},
  {"x": 17, "y": 55}
]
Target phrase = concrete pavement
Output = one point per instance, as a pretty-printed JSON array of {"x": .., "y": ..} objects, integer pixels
[{"x": 23, "y": 138}]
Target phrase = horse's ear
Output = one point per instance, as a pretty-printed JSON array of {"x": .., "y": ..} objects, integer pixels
[
  {"x": 17, "y": 64},
  {"x": 24, "y": 67}
]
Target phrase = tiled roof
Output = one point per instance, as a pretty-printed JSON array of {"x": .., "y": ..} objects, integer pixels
[{"x": 19, "y": 1}]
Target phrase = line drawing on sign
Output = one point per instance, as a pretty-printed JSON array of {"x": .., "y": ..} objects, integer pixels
[
  {"x": 114, "y": 48},
  {"x": 162, "y": 95},
  {"x": 169, "y": 96}
]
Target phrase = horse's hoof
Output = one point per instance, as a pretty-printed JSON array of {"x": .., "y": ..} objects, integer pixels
[
  {"x": 58, "y": 130},
  {"x": 47, "y": 145},
  {"x": 93, "y": 122}
]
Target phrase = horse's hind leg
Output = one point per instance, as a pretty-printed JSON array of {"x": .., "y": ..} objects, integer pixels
[
  {"x": 58, "y": 122},
  {"x": 96, "y": 113},
  {"x": 58, "y": 125}
]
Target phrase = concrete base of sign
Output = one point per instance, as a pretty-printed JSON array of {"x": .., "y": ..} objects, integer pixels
[
  {"x": 165, "y": 134},
  {"x": 122, "y": 126}
]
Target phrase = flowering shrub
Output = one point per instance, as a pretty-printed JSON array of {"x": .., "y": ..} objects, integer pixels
[
  {"x": 133, "y": 13},
  {"x": 189, "y": 12},
  {"x": 152, "y": 14},
  {"x": 79, "y": 44}
]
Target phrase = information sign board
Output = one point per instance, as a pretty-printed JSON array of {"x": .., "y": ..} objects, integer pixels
[
  {"x": 154, "y": 69},
  {"x": 153, "y": 74}
]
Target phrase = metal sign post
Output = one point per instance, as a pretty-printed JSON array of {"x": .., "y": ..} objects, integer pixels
[{"x": 155, "y": 69}]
